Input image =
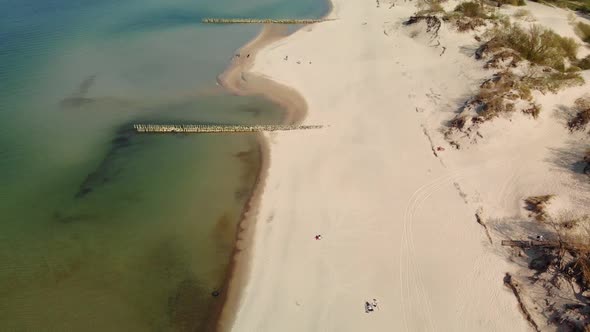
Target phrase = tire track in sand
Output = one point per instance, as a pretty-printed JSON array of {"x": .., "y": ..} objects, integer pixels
[{"x": 411, "y": 277}]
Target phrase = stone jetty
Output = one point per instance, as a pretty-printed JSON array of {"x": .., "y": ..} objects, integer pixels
[
  {"x": 187, "y": 128},
  {"x": 258, "y": 21}
]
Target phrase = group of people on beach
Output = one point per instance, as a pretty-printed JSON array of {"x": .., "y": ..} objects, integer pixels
[{"x": 371, "y": 306}]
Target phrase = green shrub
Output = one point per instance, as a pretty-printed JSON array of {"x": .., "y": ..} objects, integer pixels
[
  {"x": 471, "y": 9},
  {"x": 522, "y": 13},
  {"x": 573, "y": 69},
  {"x": 569, "y": 46},
  {"x": 538, "y": 45},
  {"x": 513, "y": 2},
  {"x": 429, "y": 7},
  {"x": 578, "y": 5}
]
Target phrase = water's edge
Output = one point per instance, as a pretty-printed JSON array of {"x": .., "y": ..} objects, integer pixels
[{"x": 296, "y": 110}]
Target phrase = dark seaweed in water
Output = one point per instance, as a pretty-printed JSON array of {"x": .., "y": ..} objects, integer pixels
[
  {"x": 106, "y": 169},
  {"x": 78, "y": 98}
]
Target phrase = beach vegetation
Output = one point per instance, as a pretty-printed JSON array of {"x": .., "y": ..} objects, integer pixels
[
  {"x": 538, "y": 45},
  {"x": 513, "y": 2},
  {"x": 582, "y": 6},
  {"x": 504, "y": 93},
  {"x": 472, "y": 9},
  {"x": 583, "y": 30},
  {"x": 470, "y": 15},
  {"x": 584, "y": 64},
  {"x": 560, "y": 266},
  {"x": 429, "y": 7},
  {"x": 552, "y": 81},
  {"x": 537, "y": 205},
  {"x": 468, "y": 24},
  {"x": 433, "y": 23},
  {"x": 586, "y": 160},
  {"x": 577, "y": 242},
  {"x": 581, "y": 117},
  {"x": 524, "y": 14}
]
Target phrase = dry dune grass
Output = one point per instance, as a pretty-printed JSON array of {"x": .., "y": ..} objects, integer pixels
[
  {"x": 524, "y": 15},
  {"x": 537, "y": 205},
  {"x": 426, "y": 7},
  {"x": 539, "y": 54},
  {"x": 582, "y": 116}
]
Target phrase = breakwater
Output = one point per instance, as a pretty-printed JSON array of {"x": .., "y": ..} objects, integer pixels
[
  {"x": 155, "y": 128},
  {"x": 258, "y": 21}
]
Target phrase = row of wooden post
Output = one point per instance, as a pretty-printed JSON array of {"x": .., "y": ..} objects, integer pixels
[
  {"x": 255, "y": 20},
  {"x": 158, "y": 128}
]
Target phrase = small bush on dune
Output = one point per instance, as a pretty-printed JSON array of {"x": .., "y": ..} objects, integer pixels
[
  {"x": 554, "y": 81},
  {"x": 537, "y": 205},
  {"x": 583, "y": 30},
  {"x": 582, "y": 117},
  {"x": 470, "y": 15},
  {"x": 584, "y": 64},
  {"x": 513, "y": 2},
  {"x": 578, "y": 245},
  {"x": 582, "y": 267},
  {"x": 499, "y": 94},
  {"x": 467, "y": 24},
  {"x": 569, "y": 46},
  {"x": 578, "y": 5},
  {"x": 523, "y": 14},
  {"x": 538, "y": 45},
  {"x": 471, "y": 9},
  {"x": 427, "y": 7}
]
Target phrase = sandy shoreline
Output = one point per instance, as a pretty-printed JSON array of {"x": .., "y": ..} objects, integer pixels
[
  {"x": 238, "y": 80},
  {"x": 397, "y": 214}
]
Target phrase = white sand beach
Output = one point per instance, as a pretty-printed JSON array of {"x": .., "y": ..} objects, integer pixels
[{"x": 397, "y": 222}]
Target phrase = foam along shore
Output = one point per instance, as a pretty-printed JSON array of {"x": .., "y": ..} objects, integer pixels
[{"x": 397, "y": 219}]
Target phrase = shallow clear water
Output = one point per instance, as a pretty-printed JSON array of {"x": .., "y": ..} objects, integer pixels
[{"x": 102, "y": 229}]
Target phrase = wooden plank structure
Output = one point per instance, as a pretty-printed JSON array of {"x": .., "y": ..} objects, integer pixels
[
  {"x": 533, "y": 244},
  {"x": 188, "y": 128},
  {"x": 263, "y": 21}
]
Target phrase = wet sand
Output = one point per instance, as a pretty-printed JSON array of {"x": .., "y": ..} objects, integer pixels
[{"x": 238, "y": 80}]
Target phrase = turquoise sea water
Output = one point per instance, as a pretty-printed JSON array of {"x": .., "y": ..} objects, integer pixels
[{"x": 102, "y": 229}]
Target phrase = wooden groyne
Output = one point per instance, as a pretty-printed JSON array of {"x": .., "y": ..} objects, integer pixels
[
  {"x": 264, "y": 21},
  {"x": 155, "y": 128}
]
